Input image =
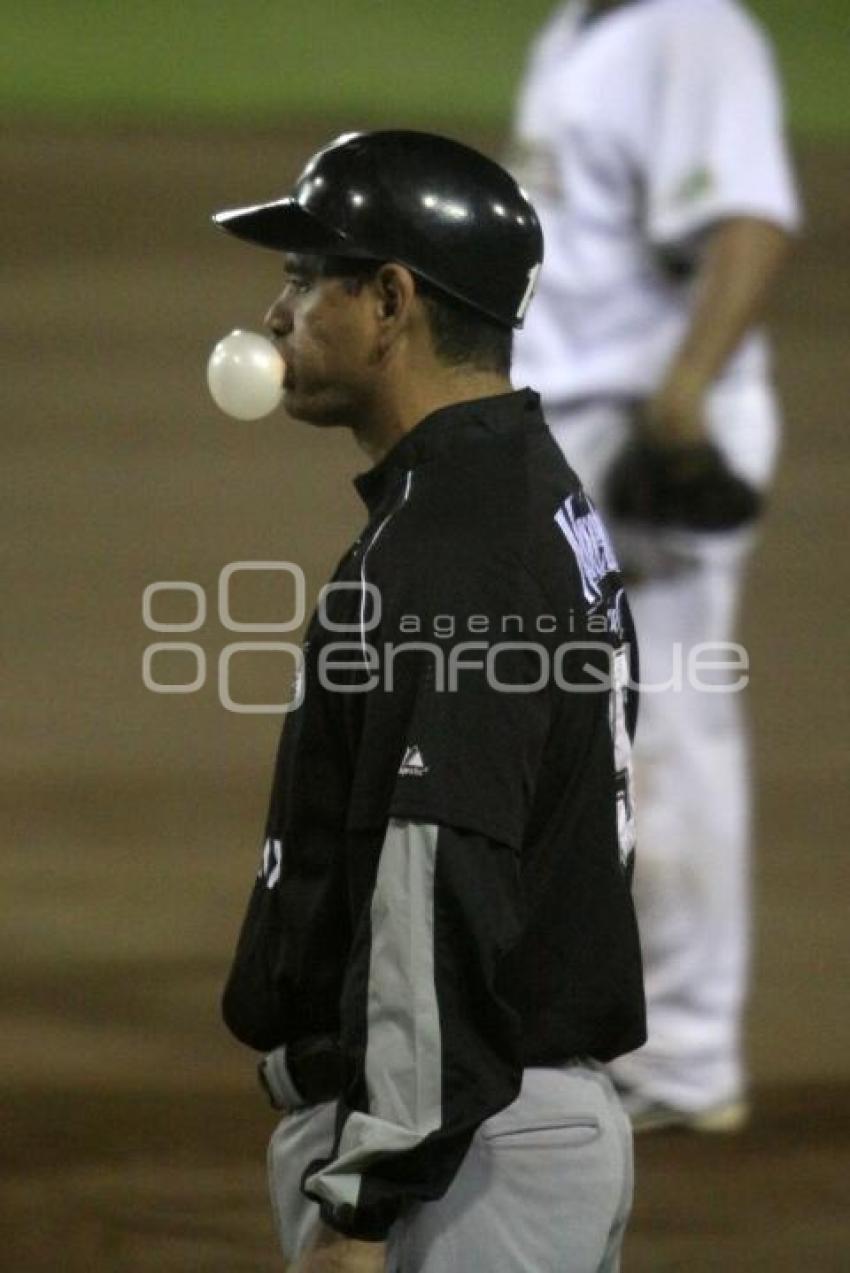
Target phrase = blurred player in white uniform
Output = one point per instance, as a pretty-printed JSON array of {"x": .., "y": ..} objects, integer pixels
[{"x": 649, "y": 135}]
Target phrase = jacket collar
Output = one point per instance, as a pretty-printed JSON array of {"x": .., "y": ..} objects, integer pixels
[{"x": 446, "y": 431}]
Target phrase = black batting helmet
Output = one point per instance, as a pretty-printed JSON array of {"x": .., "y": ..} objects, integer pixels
[{"x": 452, "y": 216}]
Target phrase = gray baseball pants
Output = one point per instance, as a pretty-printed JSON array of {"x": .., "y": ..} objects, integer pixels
[{"x": 546, "y": 1186}]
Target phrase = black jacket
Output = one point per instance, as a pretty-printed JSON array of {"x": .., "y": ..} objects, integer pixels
[{"x": 445, "y": 879}]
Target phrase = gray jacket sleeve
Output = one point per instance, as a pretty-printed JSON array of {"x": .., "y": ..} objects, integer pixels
[{"x": 436, "y": 1047}]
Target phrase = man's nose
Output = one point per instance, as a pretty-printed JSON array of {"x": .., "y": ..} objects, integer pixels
[{"x": 278, "y": 320}]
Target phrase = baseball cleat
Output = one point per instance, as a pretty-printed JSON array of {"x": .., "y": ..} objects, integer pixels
[{"x": 652, "y": 1116}]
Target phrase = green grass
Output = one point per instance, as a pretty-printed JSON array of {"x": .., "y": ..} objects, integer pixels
[
  {"x": 259, "y": 60},
  {"x": 812, "y": 38}
]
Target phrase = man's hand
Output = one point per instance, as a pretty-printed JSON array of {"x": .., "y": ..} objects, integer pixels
[
  {"x": 330, "y": 1252},
  {"x": 684, "y": 487}
]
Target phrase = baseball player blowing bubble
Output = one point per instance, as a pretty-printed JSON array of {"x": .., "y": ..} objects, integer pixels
[
  {"x": 440, "y": 949},
  {"x": 649, "y": 134}
]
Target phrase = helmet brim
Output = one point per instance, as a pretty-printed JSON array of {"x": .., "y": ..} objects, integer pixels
[{"x": 284, "y": 226}]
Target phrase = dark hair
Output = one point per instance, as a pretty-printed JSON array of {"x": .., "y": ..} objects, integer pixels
[
  {"x": 460, "y": 333},
  {"x": 463, "y": 335}
]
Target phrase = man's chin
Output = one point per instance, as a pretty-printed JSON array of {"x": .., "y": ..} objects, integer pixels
[{"x": 310, "y": 409}]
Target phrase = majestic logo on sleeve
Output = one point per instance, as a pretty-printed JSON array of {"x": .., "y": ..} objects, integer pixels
[
  {"x": 412, "y": 763},
  {"x": 271, "y": 863},
  {"x": 582, "y": 527}
]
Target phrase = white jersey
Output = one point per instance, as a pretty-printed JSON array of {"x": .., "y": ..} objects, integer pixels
[{"x": 636, "y": 130}]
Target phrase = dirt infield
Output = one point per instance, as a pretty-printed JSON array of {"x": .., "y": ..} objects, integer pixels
[{"x": 133, "y": 1139}]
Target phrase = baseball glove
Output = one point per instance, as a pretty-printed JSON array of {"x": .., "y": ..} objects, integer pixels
[{"x": 690, "y": 488}]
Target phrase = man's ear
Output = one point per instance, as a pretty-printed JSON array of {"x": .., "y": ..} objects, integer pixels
[{"x": 395, "y": 290}]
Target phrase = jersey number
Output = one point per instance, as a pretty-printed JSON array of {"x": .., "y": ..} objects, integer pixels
[{"x": 626, "y": 834}]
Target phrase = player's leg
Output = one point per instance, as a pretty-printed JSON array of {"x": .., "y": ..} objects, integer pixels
[
  {"x": 691, "y": 880},
  {"x": 691, "y": 886},
  {"x": 546, "y": 1184}
]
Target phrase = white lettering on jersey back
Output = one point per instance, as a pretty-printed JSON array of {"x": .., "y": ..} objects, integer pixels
[
  {"x": 626, "y": 831},
  {"x": 588, "y": 538}
]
